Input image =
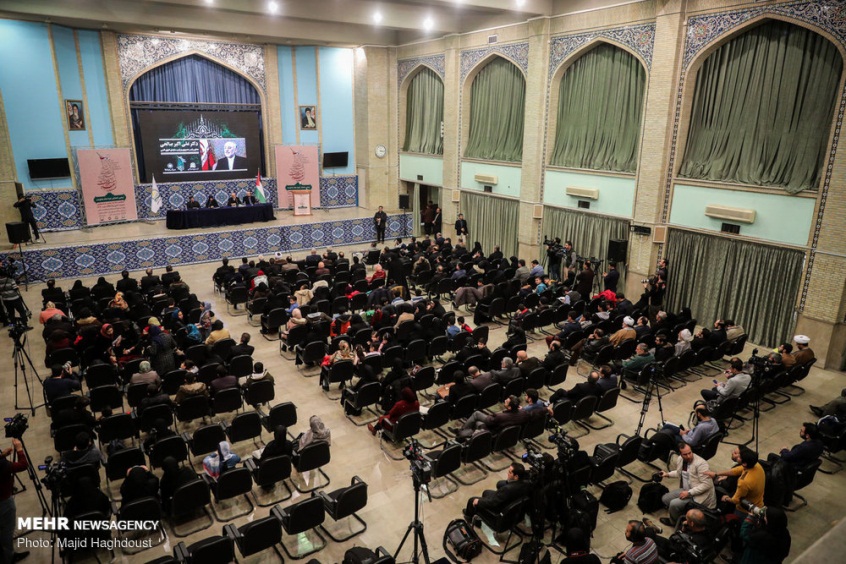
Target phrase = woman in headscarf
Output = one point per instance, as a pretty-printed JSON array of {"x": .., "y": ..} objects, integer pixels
[
  {"x": 78, "y": 291},
  {"x": 206, "y": 318},
  {"x": 303, "y": 294},
  {"x": 162, "y": 350},
  {"x": 119, "y": 302},
  {"x": 102, "y": 288},
  {"x": 317, "y": 432},
  {"x": 261, "y": 291},
  {"x": 343, "y": 353},
  {"x": 87, "y": 497},
  {"x": 279, "y": 446},
  {"x": 146, "y": 375},
  {"x": 407, "y": 404},
  {"x": 295, "y": 320},
  {"x": 211, "y": 202},
  {"x": 139, "y": 482},
  {"x": 173, "y": 477},
  {"x": 85, "y": 317},
  {"x": 103, "y": 342}
]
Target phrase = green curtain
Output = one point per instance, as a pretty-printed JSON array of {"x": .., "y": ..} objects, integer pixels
[
  {"x": 497, "y": 106},
  {"x": 600, "y": 106},
  {"x": 492, "y": 221},
  {"x": 424, "y": 113},
  {"x": 589, "y": 233},
  {"x": 762, "y": 109},
  {"x": 719, "y": 278}
]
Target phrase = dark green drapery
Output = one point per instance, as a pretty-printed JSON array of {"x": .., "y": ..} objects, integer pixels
[
  {"x": 589, "y": 233},
  {"x": 600, "y": 106},
  {"x": 491, "y": 221},
  {"x": 424, "y": 113},
  {"x": 719, "y": 278},
  {"x": 762, "y": 109},
  {"x": 497, "y": 108}
]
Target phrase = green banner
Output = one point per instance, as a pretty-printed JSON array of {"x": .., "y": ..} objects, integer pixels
[{"x": 298, "y": 186}]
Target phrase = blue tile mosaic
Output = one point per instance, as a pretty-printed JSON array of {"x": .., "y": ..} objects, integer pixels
[
  {"x": 76, "y": 261},
  {"x": 435, "y": 62}
]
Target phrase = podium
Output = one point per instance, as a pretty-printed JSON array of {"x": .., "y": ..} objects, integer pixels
[{"x": 302, "y": 198}]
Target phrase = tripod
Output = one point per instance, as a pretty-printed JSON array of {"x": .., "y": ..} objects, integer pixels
[
  {"x": 20, "y": 355},
  {"x": 416, "y": 525},
  {"x": 647, "y": 399},
  {"x": 39, "y": 489}
]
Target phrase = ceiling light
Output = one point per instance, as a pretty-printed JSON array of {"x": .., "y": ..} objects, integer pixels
[
  {"x": 428, "y": 24},
  {"x": 273, "y": 7},
  {"x": 209, "y": 1},
  {"x": 521, "y": 3},
  {"x": 377, "y": 17}
]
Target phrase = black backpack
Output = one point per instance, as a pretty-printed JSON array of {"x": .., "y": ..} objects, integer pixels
[
  {"x": 359, "y": 555},
  {"x": 534, "y": 553},
  {"x": 650, "y": 496},
  {"x": 464, "y": 541},
  {"x": 615, "y": 496},
  {"x": 586, "y": 503}
]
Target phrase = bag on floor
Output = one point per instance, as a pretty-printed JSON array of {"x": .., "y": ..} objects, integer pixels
[
  {"x": 534, "y": 553},
  {"x": 650, "y": 496},
  {"x": 359, "y": 555},
  {"x": 461, "y": 542},
  {"x": 585, "y": 501},
  {"x": 615, "y": 496}
]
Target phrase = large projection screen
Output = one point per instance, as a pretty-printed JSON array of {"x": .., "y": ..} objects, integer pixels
[{"x": 188, "y": 146}]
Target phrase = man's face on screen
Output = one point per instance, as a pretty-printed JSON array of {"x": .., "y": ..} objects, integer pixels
[{"x": 229, "y": 149}]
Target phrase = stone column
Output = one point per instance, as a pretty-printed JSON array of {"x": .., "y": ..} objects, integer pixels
[{"x": 452, "y": 103}]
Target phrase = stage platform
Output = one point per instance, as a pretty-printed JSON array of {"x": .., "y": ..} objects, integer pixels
[{"x": 138, "y": 245}]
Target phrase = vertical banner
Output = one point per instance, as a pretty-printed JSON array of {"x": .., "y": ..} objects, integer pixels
[
  {"x": 297, "y": 164},
  {"x": 108, "y": 189}
]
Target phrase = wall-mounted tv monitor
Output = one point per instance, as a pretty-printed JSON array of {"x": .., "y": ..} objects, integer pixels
[
  {"x": 335, "y": 160},
  {"x": 40, "y": 169}
]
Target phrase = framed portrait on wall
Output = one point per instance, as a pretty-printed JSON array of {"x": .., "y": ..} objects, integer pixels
[
  {"x": 76, "y": 116},
  {"x": 308, "y": 117}
]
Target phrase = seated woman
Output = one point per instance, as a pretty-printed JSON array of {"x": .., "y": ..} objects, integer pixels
[
  {"x": 366, "y": 375},
  {"x": 407, "y": 404},
  {"x": 295, "y": 320},
  {"x": 219, "y": 462},
  {"x": 173, "y": 477},
  {"x": 119, "y": 302},
  {"x": 211, "y": 202},
  {"x": 343, "y": 353},
  {"x": 378, "y": 274},
  {"x": 317, "y": 431},
  {"x": 78, "y": 291},
  {"x": 139, "y": 482},
  {"x": 279, "y": 446}
]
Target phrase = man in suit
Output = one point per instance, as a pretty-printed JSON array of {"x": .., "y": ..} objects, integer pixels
[
  {"x": 461, "y": 226},
  {"x": 249, "y": 199},
  {"x": 694, "y": 485},
  {"x": 149, "y": 281},
  {"x": 583, "y": 389},
  {"x": 126, "y": 284},
  {"x": 192, "y": 204},
  {"x": 515, "y": 486},
  {"x": 555, "y": 357},
  {"x": 53, "y": 293},
  {"x": 170, "y": 276},
  {"x": 380, "y": 222},
  {"x": 230, "y": 160},
  {"x": 526, "y": 364},
  {"x": 506, "y": 373},
  {"x": 243, "y": 347},
  {"x": 233, "y": 201}
]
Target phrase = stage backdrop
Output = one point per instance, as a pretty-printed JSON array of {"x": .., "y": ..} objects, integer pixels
[
  {"x": 108, "y": 190},
  {"x": 297, "y": 164}
]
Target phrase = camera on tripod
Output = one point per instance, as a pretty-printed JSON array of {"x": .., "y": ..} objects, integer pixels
[
  {"x": 54, "y": 474},
  {"x": 759, "y": 363},
  {"x": 17, "y": 330},
  {"x": 16, "y": 426},
  {"x": 421, "y": 466}
]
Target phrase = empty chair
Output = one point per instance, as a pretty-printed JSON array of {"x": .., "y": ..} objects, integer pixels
[
  {"x": 244, "y": 427},
  {"x": 507, "y": 438},
  {"x": 256, "y": 536},
  {"x": 603, "y": 464},
  {"x": 607, "y": 401},
  {"x": 212, "y": 550},
  {"x": 415, "y": 352},
  {"x": 267, "y": 474},
  {"x": 444, "y": 462},
  {"x": 144, "y": 509},
  {"x": 312, "y": 354},
  {"x": 474, "y": 450},
  {"x": 709, "y": 446},
  {"x": 626, "y": 453},
  {"x": 168, "y": 446},
  {"x": 106, "y": 396},
  {"x": 260, "y": 392},
  {"x": 804, "y": 476},
  {"x": 342, "y": 505},
  {"x": 361, "y": 400},
  {"x": 235, "y": 297},
  {"x": 581, "y": 411},
  {"x": 188, "y": 501},
  {"x": 284, "y": 413},
  {"x": 437, "y": 416},
  {"x": 227, "y": 401},
  {"x": 230, "y": 485},
  {"x": 241, "y": 365},
  {"x": 302, "y": 517},
  {"x": 117, "y": 427},
  {"x": 223, "y": 348},
  {"x": 191, "y": 408}
]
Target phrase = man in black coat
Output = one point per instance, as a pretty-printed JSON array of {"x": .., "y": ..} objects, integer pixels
[
  {"x": 380, "y": 222},
  {"x": 555, "y": 357},
  {"x": 149, "y": 281},
  {"x": 583, "y": 389},
  {"x": 515, "y": 486},
  {"x": 243, "y": 347},
  {"x": 126, "y": 284},
  {"x": 170, "y": 276},
  {"x": 461, "y": 226}
]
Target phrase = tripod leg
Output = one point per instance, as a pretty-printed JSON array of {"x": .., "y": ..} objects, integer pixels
[
  {"x": 404, "y": 538},
  {"x": 418, "y": 530}
]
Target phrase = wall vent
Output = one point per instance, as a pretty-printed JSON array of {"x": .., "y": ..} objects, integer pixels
[
  {"x": 738, "y": 215},
  {"x": 730, "y": 228},
  {"x": 537, "y": 211},
  {"x": 584, "y": 204},
  {"x": 578, "y": 192},
  {"x": 493, "y": 38}
]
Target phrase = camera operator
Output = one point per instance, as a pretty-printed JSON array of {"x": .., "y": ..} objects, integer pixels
[
  {"x": 654, "y": 289},
  {"x": 766, "y": 539},
  {"x": 12, "y": 300},
  {"x": 7, "y": 501},
  {"x": 515, "y": 486},
  {"x": 554, "y": 255},
  {"x": 25, "y": 205}
]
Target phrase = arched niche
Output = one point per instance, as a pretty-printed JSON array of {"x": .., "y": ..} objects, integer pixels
[{"x": 403, "y": 96}]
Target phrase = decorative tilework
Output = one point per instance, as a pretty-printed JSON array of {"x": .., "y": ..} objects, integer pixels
[
  {"x": 175, "y": 194},
  {"x": 111, "y": 258},
  {"x": 518, "y": 53},
  {"x": 828, "y": 15},
  {"x": 639, "y": 38},
  {"x": 139, "y": 52},
  {"x": 339, "y": 191},
  {"x": 57, "y": 210},
  {"x": 435, "y": 62}
]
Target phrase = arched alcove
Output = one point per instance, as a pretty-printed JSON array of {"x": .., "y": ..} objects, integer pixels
[{"x": 422, "y": 93}]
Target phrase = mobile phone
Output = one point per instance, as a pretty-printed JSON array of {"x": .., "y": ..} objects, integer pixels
[
  {"x": 681, "y": 427},
  {"x": 716, "y": 382},
  {"x": 42, "y": 467}
]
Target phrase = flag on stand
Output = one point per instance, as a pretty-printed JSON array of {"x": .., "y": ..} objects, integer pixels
[
  {"x": 156, "y": 203},
  {"x": 206, "y": 155},
  {"x": 261, "y": 196}
]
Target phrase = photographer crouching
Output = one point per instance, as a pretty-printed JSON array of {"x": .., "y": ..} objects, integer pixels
[{"x": 7, "y": 500}]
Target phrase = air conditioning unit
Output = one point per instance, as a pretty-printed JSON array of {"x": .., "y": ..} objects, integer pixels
[
  {"x": 577, "y": 192},
  {"x": 732, "y": 214},
  {"x": 537, "y": 211},
  {"x": 456, "y": 196},
  {"x": 486, "y": 179}
]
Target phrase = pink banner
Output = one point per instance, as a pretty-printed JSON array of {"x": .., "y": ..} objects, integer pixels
[
  {"x": 108, "y": 189},
  {"x": 297, "y": 165}
]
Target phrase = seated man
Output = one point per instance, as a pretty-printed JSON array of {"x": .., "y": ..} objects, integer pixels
[
  {"x": 631, "y": 368},
  {"x": 84, "y": 452},
  {"x": 580, "y": 390},
  {"x": 810, "y": 449},
  {"x": 607, "y": 378},
  {"x": 643, "y": 549},
  {"x": 625, "y": 334},
  {"x": 555, "y": 357},
  {"x": 533, "y": 402},
  {"x": 704, "y": 428},
  {"x": 750, "y": 483},
  {"x": 61, "y": 383},
  {"x": 526, "y": 364},
  {"x": 736, "y": 383},
  {"x": 506, "y": 373},
  {"x": 589, "y": 346},
  {"x": 697, "y": 532},
  {"x": 837, "y": 406},
  {"x": 480, "y": 421},
  {"x": 694, "y": 485},
  {"x": 570, "y": 326},
  {"x": 515, "y": 486},
  {"x": 663, "y": 350}
]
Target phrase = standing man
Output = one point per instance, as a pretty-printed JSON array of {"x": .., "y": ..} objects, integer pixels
[
  {"x": 569, "y": 260},
  {"x": 612, "y": 277},
  {"x": 25, "y": 205},
  {"x": 8, "y": 521},
  {"x": 380, "y": 221},
  {"x": 554, "y": 255},
  {"x": 436, "y": 220},
  {"x": 12, "y": 300},
  {"x": 428, "y": 217},
  {"x": 461, "y": 226}
]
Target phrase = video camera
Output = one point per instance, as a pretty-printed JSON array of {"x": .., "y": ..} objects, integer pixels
[
  {"x": 17, "y": 330},
  {"x": 759, "y": 363},
  {"x": 567, "y": 446},
  {"x": 421, "y": 466},
  {"x": 757, "y": 512},
  {"x": 54, "y": 474},
  {"x": 16, "y": 426},
  {"x": 683, "y": 549}
]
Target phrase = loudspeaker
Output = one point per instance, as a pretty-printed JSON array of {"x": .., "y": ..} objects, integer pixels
[
  {"x": 18, "y": 232},
  {"x": 404, "y": 202},
  {"x": 617, "y": 250}
]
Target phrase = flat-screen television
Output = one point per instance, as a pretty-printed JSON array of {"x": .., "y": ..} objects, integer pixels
[
  {"x": 335, "y": 160},
  {"x": 40, "y": 169}
]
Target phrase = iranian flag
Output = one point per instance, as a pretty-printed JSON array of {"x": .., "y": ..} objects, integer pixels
[
  {"x": 260, "y": 194},
  {"x": 206, "y": 155}
]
